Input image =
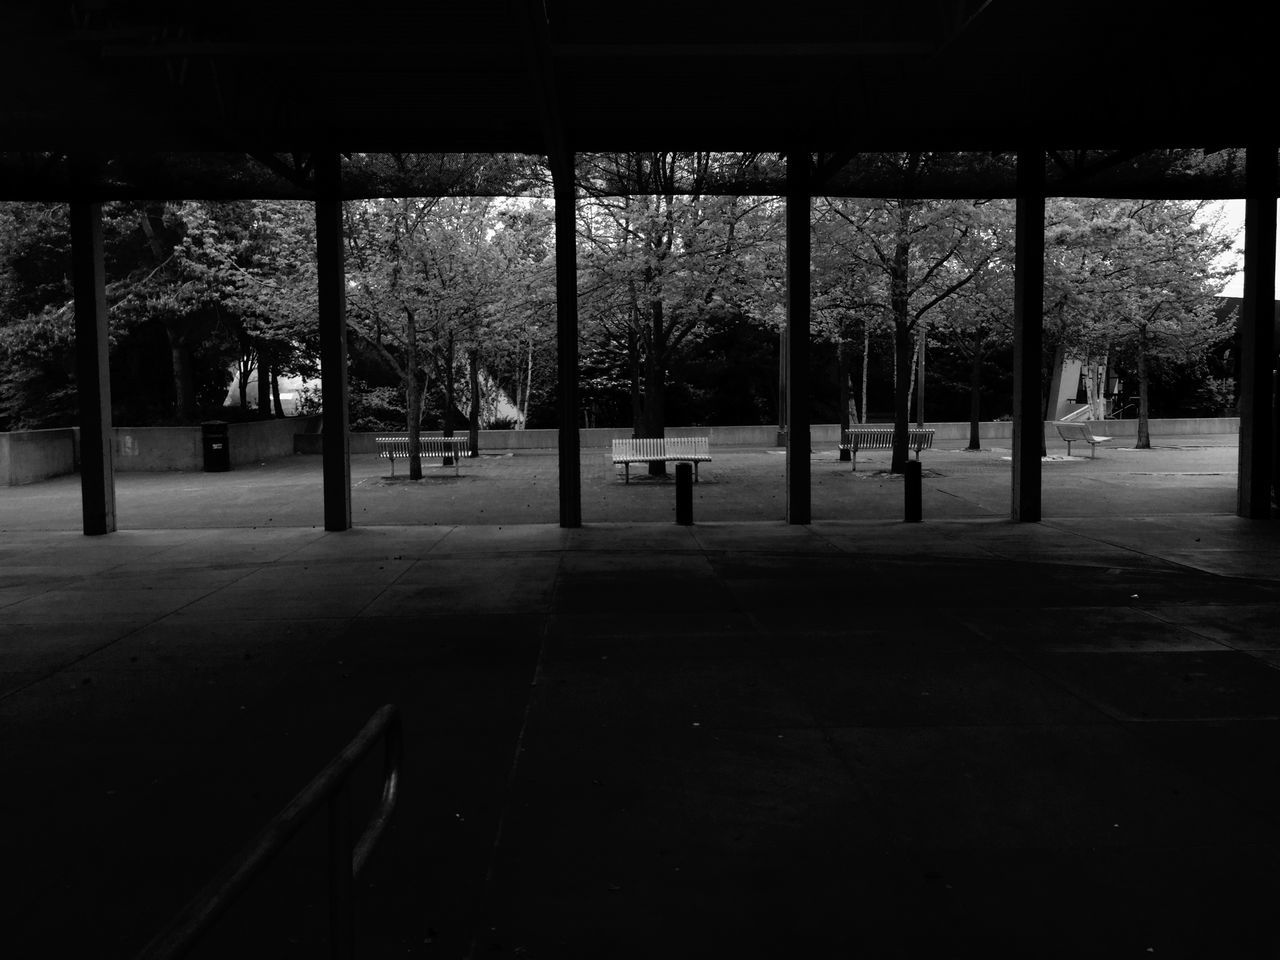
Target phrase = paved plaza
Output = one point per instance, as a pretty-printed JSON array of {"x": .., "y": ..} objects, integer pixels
[
  {"x": 856, "y": 738},
  {"x": 1186, "y": 474}
]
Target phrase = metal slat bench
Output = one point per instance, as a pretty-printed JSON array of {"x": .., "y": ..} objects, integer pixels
[
  {"x": 393, "y": 448},
  {"x": 881, "y": 438},
  {"x": 1080, "y": 432},
  {"x": 693, "y": 450}
]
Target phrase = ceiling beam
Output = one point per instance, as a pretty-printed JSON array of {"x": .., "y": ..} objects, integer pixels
[{"x": 532, "y": 15}]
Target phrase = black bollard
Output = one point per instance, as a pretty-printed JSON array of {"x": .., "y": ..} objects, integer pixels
[
  {"x": 684, "y": 494},
  {"x": 912, "y": 485}
]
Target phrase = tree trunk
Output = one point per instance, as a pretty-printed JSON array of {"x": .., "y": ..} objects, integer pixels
[
  {"x": 637, "y": 379},
  {"x": 975, "y": 400},
  {"x": 524, "y": 412},
  {"x": 903, "y": 357},
  {"x": 473, "y": 362},
  {"x": 1144, "y": 425},
  {"x": 783, "y": 418},
  {"x": 413, "y": 398},
  {"x": 275, "y": 393},
  {"x": 447, "y": 426},
  {"x": 245, "y": 369},
  {"x": 842, "y": 377},
  {"x": 911, "y": 386},
  {"x": 264, "y": 382},
  {"x": 1046, "y": 388},
  {"x": 866, "y": 358},
  {"x": 920, "y": 348},
  {"x": 184, "y": 393},
  {"x": 655, "y": 399}
]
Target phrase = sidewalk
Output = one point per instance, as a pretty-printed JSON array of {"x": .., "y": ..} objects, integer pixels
[
  {"x": 965, "y": 737},
  {"x": 1181, "y": 475}
]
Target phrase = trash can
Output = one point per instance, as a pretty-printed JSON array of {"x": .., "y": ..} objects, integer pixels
[{"x": 217, "y": 446}]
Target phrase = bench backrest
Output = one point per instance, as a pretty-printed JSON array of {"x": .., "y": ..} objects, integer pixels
[
  {"x": 659, "y": 447},
  {"x": 1074, "y": 431},
  {"x": 428, "y": 446},
  {"x": 688, "y": 447},
  {"x": 881, "y": 437},
  {"x": 638, "y": 447}
]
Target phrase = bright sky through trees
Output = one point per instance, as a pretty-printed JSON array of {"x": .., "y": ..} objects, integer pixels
[{"x": 1233, "y": 220}]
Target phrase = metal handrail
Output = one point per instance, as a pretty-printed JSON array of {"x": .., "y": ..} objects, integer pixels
[{"x": 346, "y": 859}]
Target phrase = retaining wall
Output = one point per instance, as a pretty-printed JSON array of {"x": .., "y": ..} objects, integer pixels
[
  {"x": 767, "y": 436},
  {"x": 182, "y": 448},
  {"x": 30, "y": 455}
]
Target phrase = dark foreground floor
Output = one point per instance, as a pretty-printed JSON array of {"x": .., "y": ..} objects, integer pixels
[{"x": 861, "y": 739}]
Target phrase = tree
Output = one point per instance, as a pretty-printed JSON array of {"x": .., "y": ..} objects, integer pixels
[
  {"x": 37, "y": 336},
  {"x": 916, "y": 254},
  {"x": 434, "y": 281},
  {"x": 978, "y": 318},
  {"x": 151, "y": 287},
  {"x": 659, "y": 254},
  {"x": 1134, "y": 282},
  {"x": 846, "y": 308},
  {"x": 256, "y": 261},
  {"x": 1156, "y": 279}
]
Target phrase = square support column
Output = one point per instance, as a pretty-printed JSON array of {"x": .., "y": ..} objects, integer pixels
[
  {"x": 1257, "y": 337},
  {"x": 1028, "y": 317},
  {"x": 798, "y": 200},
  {"x": 93, "y": 371},
  {"x": 332, "y": 307},
  {"x": 567, "y": 343}
]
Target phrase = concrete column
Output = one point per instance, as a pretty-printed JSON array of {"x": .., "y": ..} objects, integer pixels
[
  {"x": 332, "y": 302},
  {"x": 1028, "y": 315},
  {"x": 1257, "y": 337},
  {"x": 797, "y": 342},
  {"x": 567, "y": 344},
  {"x": 93, "y": 371}
]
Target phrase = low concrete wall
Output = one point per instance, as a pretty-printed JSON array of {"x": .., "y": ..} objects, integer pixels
[
  {"x": 143, "y": 449},
  {"x": 767, "y": 436},
  {"x": 182, "y": 448},
  {"x": 30, "y": 455},
  {"x": 266, "y": 439},
  {"x": 1187, "y": 426}
]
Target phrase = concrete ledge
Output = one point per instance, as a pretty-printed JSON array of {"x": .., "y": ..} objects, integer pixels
[
  {"x": 180, "y": 448},
  {"x": 30, "y": 455},
  {"x": 766, "y": 436}
]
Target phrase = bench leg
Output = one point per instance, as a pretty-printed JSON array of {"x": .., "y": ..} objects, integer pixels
[
  {"x": 393, "y": 465},
  {"x": 695, "y": 471},
  {"x": 1093, "y": 451},
  {"x": 853, "y": 459},
  {"x": 627, "y": 472},
  {"x": 1068, "y": 448}
]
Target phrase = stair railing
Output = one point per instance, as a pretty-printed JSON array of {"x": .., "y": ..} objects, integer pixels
[{"x": 331, "y": 789}]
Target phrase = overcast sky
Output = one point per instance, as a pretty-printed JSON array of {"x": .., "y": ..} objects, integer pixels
[{"x": 1234, "y": 220}]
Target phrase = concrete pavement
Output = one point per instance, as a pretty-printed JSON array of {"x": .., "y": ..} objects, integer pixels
[{"x": 856, "y": 738}]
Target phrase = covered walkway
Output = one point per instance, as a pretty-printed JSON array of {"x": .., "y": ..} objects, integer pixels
[{"x": 964, "y": 737}]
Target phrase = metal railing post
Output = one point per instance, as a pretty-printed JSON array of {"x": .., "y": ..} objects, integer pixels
[
  {"x": 331, "y": 789},
  {"x": 342, "y": 932}
]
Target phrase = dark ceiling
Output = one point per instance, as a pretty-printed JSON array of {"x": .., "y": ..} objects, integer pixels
[{"x": 267, "y": 78}]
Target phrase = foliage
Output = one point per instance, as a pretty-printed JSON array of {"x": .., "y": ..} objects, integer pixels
[
  {"x": 659, "y": 257},
  {"x": 904, "y": 258},
  {"x": 1135, "y": 283}
]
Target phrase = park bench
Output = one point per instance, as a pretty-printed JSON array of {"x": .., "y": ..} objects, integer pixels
[
  {"x": 880, "y": 437},
  {"x": 393, "y": 448},
  {"x": 1080, "y": 432},
  {"x": 693, "y": 450}
]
